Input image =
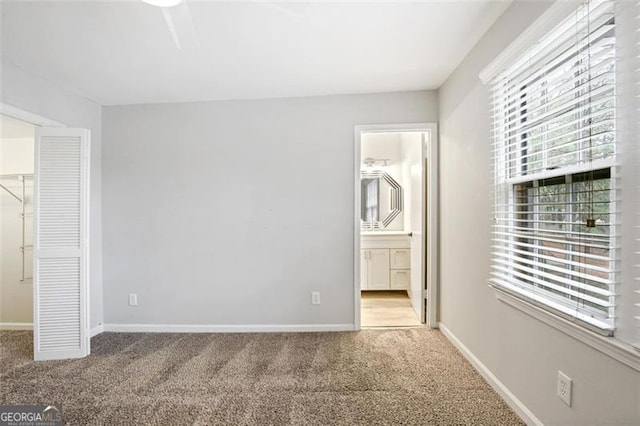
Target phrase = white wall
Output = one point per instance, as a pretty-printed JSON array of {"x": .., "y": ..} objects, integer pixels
[
  {"x": 403, "y": 149},
  {"x": 523, "y": 353},
  {"x": 16, "y": 297},
  {"x": 37, "y": 95},
  {"x": 233, "y": 212},
  {"x": 381, "y": 146}
]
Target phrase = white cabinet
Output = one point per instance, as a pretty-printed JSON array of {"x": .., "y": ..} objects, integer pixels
[
  {"x": 400, "y": 279},
  {"x": 374, "y": 269},
  {"x": 400, "y": 265},
  {"x": 385, "y": 263},
  {"x": 400, "y": 258}
]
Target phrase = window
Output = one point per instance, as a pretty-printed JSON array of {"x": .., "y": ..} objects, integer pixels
[
  {"x": 556, "y": 231},
  {"x": 370, "y": 196},
  {"x": 556, "y": 252}
]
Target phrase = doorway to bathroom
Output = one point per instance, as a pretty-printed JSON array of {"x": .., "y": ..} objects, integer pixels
[{"x": 395, "y": 221}]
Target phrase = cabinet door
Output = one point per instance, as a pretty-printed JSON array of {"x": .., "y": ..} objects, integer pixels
[
  {"x": 400, "y": 279},
  {"x": 400, "y": 259},
  {"x": 379, "y": 269},
  {"x": 364, "y": 269}
]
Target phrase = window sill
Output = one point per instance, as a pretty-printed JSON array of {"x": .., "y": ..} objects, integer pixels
[{"x": 617, "y": 350}]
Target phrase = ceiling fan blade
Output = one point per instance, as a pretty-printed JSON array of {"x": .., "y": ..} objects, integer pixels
[
  {"x": 183, "y": 32},
  {"x": 180, "y": 24},
  {"x": 172, "y": 28}
]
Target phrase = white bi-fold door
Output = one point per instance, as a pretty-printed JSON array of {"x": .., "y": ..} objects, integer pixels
[{"x": 61, "y": 243}]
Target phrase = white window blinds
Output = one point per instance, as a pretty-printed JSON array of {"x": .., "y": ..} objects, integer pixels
[{"x": 556, "y": 223}]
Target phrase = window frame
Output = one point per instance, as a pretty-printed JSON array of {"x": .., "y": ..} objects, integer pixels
[
  {"x": 626, "y": 351},
  {"x": 512, "y": 167}
]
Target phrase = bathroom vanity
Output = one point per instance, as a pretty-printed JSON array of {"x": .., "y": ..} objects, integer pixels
[
  {"x": 385, "y": 255},
  {"x": 385, "y": 258}
]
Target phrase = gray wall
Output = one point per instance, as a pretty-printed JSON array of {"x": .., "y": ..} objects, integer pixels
[
  {"x": 523, "y": 353},
  {"x": 231, "y": 213},
  {"x": 37, "y": 95}
]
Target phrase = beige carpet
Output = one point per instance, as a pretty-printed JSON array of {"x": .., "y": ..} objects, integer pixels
[
  {"x": 409, "y": 376},
  {"x": 387, "y": 309}
]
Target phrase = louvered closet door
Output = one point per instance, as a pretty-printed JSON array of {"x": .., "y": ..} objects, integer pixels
[{"x": 61, "y": 183}]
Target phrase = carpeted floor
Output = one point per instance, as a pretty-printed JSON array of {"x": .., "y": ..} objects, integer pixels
[{"x": 410, "y": 376}]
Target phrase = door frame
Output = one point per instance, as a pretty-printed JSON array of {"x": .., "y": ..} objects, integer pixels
[
  {"x": 40, "y": 121},
  {"x": 29, "y": 117},
  {"x": 430, "y": 215}
]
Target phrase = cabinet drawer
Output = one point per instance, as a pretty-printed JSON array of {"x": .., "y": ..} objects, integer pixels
[
  {"x": 400, "y": 258},
  {"x": 400, "y": 279}
]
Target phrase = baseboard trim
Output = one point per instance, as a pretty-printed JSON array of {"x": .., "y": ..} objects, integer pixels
[
  {"x": 16, "y": 326},
  {"x": 29, "y": 326},
  {"x": 98, "y": 329},
  {"x": 196, "y": 328},
  {"x": 240, "y": 328},
  {"x": 512, "y": 401}
]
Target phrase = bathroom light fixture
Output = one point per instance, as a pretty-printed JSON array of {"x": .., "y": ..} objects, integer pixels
[
  {"x": 163, "y": 3},
  {"x": 370, "y": 162}
]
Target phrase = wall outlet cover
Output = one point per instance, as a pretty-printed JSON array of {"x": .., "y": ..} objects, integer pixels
[{"x": 564, "y": 388}]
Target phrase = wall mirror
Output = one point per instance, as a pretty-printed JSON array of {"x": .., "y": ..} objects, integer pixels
[{"x": 380, "y": 199}]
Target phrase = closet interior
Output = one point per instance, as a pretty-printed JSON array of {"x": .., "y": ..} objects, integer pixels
[{"x": 16, "y": 223}]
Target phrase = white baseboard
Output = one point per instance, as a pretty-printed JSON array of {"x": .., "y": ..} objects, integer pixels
[
  {"x": 98, "y": 329},
  {"x": 512, "y": 401},
  {"x": 16, "y": 326},
  {"x": 196, "y": 328},
  {"x": 240, "y": 328},
  {"x": 29, "y": 326}
]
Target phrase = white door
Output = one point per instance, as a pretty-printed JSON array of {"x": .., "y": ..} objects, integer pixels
[
  {"x": 364, "y": 269},
  {"x": 417, "y": 214},
  {"x": 61, "y": 237}
]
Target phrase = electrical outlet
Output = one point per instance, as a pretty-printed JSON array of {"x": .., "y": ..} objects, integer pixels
[
  {"x": 315, "y": 297},
  {"x": 133, "y": 299},
  {"x": 564, "y": 388}
]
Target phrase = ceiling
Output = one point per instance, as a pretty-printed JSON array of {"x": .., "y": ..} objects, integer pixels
[
  {"x": 12, "y": 128},
  {"x": 122, "y": 52}
]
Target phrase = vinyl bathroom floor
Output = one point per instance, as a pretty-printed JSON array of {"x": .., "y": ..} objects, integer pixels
[{"x": 387, "y": 309}]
